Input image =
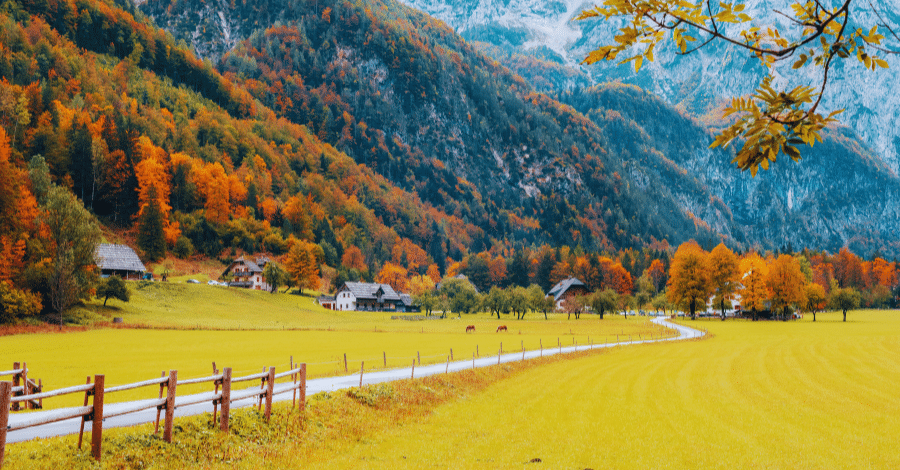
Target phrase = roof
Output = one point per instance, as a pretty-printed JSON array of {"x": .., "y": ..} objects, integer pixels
[
  {"x": 366, "y": 290},
  {"x": 562, "y": 286},
  {"x": 406, "y": 299},
  {"x": 251, "y": 266},
  {"x": 118, "y": 258}
]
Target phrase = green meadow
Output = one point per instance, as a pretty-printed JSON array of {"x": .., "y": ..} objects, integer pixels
[
  {"x": 187, "y": 327},
  {"x": 797, "y": 395}
]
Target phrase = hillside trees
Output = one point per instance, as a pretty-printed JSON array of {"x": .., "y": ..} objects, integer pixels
[
  {"x": 773, "y": 120},
  {"x": 112, "y": 287},
  {"x": 75, "y": 237},
  {"x": 302, "y": 265},
  {"x": 604, "y": 301}
]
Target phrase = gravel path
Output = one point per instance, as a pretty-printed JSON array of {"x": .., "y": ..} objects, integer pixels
[{"x": 325, "y": 384}]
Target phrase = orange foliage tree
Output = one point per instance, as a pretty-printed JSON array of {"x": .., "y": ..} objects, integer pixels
[
  {"x": 394, "y": 276},
  {"x": 353, "y": 259},
  {"x": 723, "y": 275},
  {"x": 688, "y": 279},
  {"x": 786, "y": 284},
  {"x": 754, "y": 273},
  {"x": 302, "y": 264}
]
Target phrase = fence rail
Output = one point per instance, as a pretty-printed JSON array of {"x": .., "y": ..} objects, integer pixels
[{"x": 221, "y": 397}]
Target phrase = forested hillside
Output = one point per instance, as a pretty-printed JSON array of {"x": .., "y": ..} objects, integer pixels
[
  {"x": 404, "y": 95},
  {"x": 132, "y": 125}
]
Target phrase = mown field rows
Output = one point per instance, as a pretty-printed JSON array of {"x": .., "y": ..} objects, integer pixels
[{"x": 756, "y": 395}]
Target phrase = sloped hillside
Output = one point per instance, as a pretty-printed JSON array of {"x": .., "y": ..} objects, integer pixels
[
  {"x": 406, "y": 96},
  {"x": 119, "y": 110}
]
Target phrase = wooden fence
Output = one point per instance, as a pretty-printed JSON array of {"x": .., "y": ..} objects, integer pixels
[
  {"x": 22, "y": 385},
  {"x": 95, "y": 392}
]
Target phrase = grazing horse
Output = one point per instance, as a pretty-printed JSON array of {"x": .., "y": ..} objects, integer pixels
[
  {"x": 501, "y": 328},
  {"x": 470, "y": 328}
]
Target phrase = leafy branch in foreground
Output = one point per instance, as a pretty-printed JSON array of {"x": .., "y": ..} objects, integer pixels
[{"x": 769, "y": 121}]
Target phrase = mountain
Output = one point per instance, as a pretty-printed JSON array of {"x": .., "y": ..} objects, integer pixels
[
  {"x": 403, "y": 94},
  {"x": 841, "y": 194},
  {"x": 697, "y": 82}
]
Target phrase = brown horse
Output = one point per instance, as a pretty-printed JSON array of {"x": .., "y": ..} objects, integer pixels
[
  {"x": 470, "y": 328},
  {"x": 501, "y": 328}
]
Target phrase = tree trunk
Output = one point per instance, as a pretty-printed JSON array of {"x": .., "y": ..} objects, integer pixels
[
  {"x": 814, "y": 315},
  {"x": 845, "y": 314},
  {"x": 785, "y": 313},
  {"x": 104, "y": 300},
  {"x": 693, "y": 309},
  {"x": 601, "y": 314},
  {"x": 754, "y": 314}
]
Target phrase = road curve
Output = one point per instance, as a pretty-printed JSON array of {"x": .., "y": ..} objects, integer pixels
[{"x": 313, "y": 386}]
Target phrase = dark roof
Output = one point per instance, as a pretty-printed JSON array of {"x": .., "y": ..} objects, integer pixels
[
  {"x": 366, "y": 290},
  {"x": 251, "y": 266},
  {"x": 562, "y": 286},
  {"x": 325, "y": 298},
  {"x": 117, "y": 258}
]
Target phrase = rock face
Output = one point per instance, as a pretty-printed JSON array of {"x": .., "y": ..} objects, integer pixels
[{"x": 699, "y": 81}]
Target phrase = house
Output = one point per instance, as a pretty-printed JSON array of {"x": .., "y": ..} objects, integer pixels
[
  {"x": 327, "y": 301},
  {"x": 120, "y": 260},
  {"x": 566, "y": 289},
  {"x": 370, "y": 297},
  {"x": 408, "y": 304},
  {"x": 247, "y": 274}
]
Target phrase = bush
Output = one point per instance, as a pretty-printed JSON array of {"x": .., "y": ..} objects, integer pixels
[{"x": 183, "y": 247}]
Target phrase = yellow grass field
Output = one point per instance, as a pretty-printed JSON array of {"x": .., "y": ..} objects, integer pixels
[
  {"x": 798, "y": 395},
  {"x": 262, "y": 329}
]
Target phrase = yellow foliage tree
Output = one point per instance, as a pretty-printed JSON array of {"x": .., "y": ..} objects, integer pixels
[
  {"x": 302, "y": 265},
  {"x": 689, "y": 284},
  {"x": 786, "y": 284},
  {"x": 394, "y": 276},
  {"x": 754, "y": 273}
]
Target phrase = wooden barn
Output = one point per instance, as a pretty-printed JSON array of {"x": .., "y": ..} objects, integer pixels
[{"x": 120, "y": 260}]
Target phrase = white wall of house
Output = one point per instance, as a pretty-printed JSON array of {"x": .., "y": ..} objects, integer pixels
[{"x": 345, "y": 301}]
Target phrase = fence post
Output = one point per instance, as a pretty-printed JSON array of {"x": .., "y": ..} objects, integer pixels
[
  {"x": 26, "y": 389},
  {"x": 345, "y": 363},
  {"x": 170, "y": 404},
  {"x": 215, "y": 392},
  {"x": 451, "y": 354},
  {"x": 302, "y": 388},
  {"x": 384, "y": 355},
  {"x": 87, "y": 395},
  {"x": 448, "y": 365},
  {"x": 226, "y": 399},
  {"x": 5, "y": 392},
  {"x": 270, "y": 391},
  {"x": 15, "y": 383},
  {"x": 362, "y": 365},
  {"x": 162, "y": 386},
  {"x": 412, "y": 374},
  {"x": 97, "y": 419},
  {"x": 419, "y": 356},
  {"x": 498, "y": 355}
]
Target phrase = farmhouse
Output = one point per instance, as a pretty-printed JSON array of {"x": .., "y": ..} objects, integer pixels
[
  {"x": 369, "y": 297},
  {"x": 566, "y": 289},
  {"x": 120, "y": 260},
  {"x": 247, "y": 274}
]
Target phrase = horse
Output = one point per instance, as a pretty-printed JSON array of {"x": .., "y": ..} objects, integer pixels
[
  {"x": 470, "y": 328},
  {"x": 501, "y": 328}
]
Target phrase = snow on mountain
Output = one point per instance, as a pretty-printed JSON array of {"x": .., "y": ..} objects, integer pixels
[{"x": 698, "y": 82}]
